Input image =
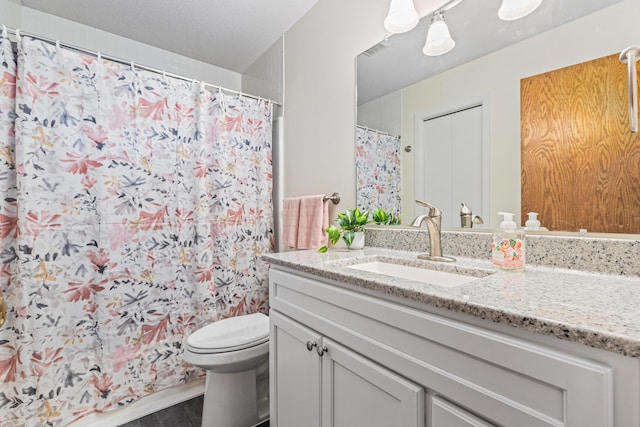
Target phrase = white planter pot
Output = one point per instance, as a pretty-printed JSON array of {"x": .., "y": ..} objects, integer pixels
[{"x": 358, "y": 241}]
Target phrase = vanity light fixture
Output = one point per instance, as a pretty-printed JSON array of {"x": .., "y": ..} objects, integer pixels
[
  {"x": 516, "y": 9},
  {"x": 402, "y": 16},
  {"x": 439, "y": 39}
]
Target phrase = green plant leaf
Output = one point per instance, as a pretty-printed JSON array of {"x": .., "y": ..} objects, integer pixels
[
  {"x": 334, "y": 234},
  {"x": 323, "y": 249},
  {"x": 362, "y": 218},
  {"x": 380, "y": 216},
  {"x": 348, "y": 237}
]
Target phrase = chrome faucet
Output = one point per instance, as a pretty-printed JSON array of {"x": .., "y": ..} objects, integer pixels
[{"x": 433, "y": 220}]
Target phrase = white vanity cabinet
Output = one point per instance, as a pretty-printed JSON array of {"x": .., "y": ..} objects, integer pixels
[
  {"x": 343, "y": 357},
  {"x": 321, "y": 383}
]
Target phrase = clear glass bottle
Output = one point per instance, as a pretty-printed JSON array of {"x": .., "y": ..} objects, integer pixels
[{"x": 507, "y": 247}]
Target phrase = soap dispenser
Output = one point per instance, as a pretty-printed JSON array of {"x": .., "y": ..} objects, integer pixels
[
  {"x": 507, "y": 247},
  {"x": 532, "y": 223}
]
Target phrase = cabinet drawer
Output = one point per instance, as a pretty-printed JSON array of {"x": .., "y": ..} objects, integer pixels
[{"x": 446, "y": 414}]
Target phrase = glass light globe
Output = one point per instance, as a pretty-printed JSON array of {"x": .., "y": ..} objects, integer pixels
[
  {"x": 516, "y": 9},
  {"x": 402, "y": 16},
  {"x": 439, "y": 39}
]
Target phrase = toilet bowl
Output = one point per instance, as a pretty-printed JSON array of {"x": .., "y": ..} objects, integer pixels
[{"x": 235, "y": 354}]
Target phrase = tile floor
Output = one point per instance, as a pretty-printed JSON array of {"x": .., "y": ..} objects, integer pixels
[{"x": 185, "y": 414}]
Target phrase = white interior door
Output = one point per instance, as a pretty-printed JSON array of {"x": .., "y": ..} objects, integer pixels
[{"x": 449, "y": 164}]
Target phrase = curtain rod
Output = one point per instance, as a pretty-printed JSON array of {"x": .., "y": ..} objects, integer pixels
[
  {"x": 378, "y": 131},
  {"x": 18, "y": 33}
]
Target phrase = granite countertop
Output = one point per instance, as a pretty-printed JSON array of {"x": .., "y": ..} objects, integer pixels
[{"x": 597, "y": 310}]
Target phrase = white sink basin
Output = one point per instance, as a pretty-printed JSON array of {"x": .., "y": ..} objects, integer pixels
[{"x": 419, "y": 274}]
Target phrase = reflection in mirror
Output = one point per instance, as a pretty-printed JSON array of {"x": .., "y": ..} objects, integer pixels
[
  {"x": 396, "y": 94},
  {"x": 377, "y": 171}
]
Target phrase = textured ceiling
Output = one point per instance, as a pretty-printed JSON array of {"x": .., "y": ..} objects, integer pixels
[{"x": 231, "y": 34}]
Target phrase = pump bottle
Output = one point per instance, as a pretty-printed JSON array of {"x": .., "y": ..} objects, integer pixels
[{"x": 507, "y": 247}]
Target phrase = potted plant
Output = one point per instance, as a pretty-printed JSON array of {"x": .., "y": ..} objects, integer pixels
[
  {"x": 381, "y": 217},
  {"x": 350, "y": 228}
]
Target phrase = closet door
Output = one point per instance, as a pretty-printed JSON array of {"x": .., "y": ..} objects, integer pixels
[{"x": 449, "y": 164}]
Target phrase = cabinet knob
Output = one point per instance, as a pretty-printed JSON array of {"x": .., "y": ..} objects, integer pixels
[
  {"x": 311, "y": 344},
  {"x": 322, "y": 350}
]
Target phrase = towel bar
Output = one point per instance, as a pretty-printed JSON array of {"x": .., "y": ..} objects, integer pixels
[{"x": 335, "y": 198}]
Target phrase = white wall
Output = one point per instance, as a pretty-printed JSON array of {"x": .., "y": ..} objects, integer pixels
[
  {"x": 320, "y": 101},
  {"x": 10, "y": 12},
  {"x": 384, "y": 113},
  {"x": 496, "y": 78},
  {"x": 44, "y": 24},
  {"x": 265, "y": 77},
  {"x": 320, "y": 80}
]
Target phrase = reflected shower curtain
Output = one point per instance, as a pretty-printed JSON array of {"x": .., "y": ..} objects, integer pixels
[
  {"x": 133, "y": 210},
  {"x": 378, "y": 179}
]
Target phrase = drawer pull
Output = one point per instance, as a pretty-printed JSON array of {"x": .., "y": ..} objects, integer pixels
[
  {"x": 311, "y": 344},
  {"x": 322, "y": 350}
]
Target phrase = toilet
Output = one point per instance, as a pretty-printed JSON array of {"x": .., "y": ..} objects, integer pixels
[{"x": 235, "y": 354}]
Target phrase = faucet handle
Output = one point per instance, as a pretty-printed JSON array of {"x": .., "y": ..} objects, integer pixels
[{"x": 433, "y": 211}]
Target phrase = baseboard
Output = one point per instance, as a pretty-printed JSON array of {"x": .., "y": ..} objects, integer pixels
[{"x": 144, "y": 406}]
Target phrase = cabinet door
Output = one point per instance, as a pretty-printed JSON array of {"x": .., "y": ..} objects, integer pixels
[
  {"x": 446, "y": 414},
  {"x": 295, "y": 373},
  {"x": 357, "y": 392}
]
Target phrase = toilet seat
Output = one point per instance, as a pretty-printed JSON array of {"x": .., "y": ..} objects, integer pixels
[{"x": 232, "y": 334}]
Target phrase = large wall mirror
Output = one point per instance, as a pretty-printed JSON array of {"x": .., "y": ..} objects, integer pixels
[{"x": 471, "y": 96}]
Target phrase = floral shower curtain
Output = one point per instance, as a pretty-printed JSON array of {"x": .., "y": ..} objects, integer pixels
[
  {"x": 378, "y": 179},
  {"x": 133, "y": 210}
]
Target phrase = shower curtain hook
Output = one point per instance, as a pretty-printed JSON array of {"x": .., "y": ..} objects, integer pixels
[
  {"x": 201, "y": 86},
  {"x": 164, "y": 74},
  {"x": 133, "y": 67},
  {"x": 220, "y": 89},
  {"x": 99, "y": 55},
  {"x": 18, "y": 38},
  {"x": 4, "y": 32}
]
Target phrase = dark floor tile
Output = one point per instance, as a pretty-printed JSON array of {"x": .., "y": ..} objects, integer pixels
[
  {"x": 193, "y": 410},
  {"x": 185, "y": 414}
]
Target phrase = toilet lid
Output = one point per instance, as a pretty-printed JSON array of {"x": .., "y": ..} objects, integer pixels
[{"x": 231, "y": 334}]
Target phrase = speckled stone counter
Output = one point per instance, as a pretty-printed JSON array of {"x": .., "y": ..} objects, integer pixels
[
  {"x": 615, "y": 254},
  {"x": 597, "y": 310}
]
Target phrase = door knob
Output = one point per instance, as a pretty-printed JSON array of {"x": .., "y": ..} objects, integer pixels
[{"x": 322, "y": 350}]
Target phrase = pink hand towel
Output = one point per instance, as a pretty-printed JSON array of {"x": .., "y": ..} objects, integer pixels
[
  {"x": 314, "y": 218},
  {"x": 290, "y": 221}
]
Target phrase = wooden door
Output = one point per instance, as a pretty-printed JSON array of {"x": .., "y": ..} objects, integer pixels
[{"x": 580, "y": 161}]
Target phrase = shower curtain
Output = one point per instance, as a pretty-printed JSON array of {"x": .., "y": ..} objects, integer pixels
[
  {"x": 378, "y": 179},
  {"x": 133, "y": 210}
]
